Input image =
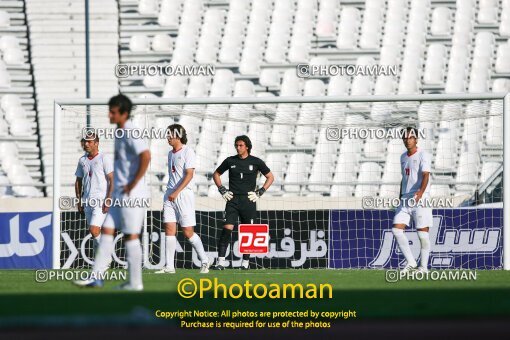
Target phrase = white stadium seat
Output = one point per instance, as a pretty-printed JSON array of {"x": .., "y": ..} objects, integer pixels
[
  {"x": 148, "y": 7},
  {"x": 369, "y": 173},
  {"x": 441, "y": 21},
  {"x": 4, "y": 19},
  {"x": 503, "y": 58}
]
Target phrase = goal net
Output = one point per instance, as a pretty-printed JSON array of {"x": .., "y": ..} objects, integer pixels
[{"x": 337, "y": 173}]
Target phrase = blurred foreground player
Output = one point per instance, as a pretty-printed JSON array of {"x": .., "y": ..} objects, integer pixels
[
  {"x": 132, "y": 157},
  {"x": 242, "y": 194},
  {"x": 93, "y": 185},
  {"x": 415, "y": 186},
  {"x": 179, "y": 200}
]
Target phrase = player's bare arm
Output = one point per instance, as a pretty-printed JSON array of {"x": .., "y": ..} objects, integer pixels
[
  {"x": 423, "y": 186},
  {"x": 145, "y": 158},
  {"x": 109, "y": 179},
  {"x": 78, "y": 185},
  {"x": 185, "y": 181}
]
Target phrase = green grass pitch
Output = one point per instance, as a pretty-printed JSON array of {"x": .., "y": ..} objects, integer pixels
[{"x": 363, "y": 291}]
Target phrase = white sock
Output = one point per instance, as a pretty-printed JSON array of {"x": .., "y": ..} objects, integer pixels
[
  {"x": 403, "y": 244},
  {"x": 96, "y": 241},
  {"x": 171, "y": 245},
  {"x": 134, "y": 259},
  {"x": 221, "y": 261},
  {"x": 425, "y": 248},
  {"x": 245, "y": 263},
  {"x": 196, "y": 243},
  {"x": 103, "y": 254}
]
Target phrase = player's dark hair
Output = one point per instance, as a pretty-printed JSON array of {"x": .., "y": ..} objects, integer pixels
[
  {"x": 122, "y": 102},
  {"x": 177, "y": 131},
  {"x": 246, "y": 141},
  {"x": 410, "y": 131}
]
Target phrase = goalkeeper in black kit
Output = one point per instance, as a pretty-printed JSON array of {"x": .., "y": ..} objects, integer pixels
[{"x": 242, "y": 194}]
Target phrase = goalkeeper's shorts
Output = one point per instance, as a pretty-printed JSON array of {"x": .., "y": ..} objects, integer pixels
[
  {"x": 240, "y": 208},
  {"x": 182, "y": 210}
]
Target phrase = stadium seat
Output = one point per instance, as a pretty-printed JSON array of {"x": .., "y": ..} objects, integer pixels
[
  {"x": 278, "y": 164},
  {"x": 371, "y": 26},
  {"x": 441, "y": 22},
  {"x": 15, "y": 112},
  {"x": 20, "y": 127},
  {"x": 467, "y": 171},
  {"x": 348, "y": 28},
  {"x": 148, "y": 7},
  {"x": 139, "y": 43},
  {"x": 434, "y": 65},
  {"x": 494, "y": 136},
  {"x": 297, "y": 172},
  {"x": 9, "y": 101},
  {"x": 440, "y": 190},
  {"x": 5, "y": 78},
  {"x": 345, "y": 173},
  {"x": 503, "y": 58},
  {"x": 269, "y": 77},
  {"x": 162, "y": 43},
  {"x": 5, "y": 19},
  {"x": 321, "y": 172},
  {"x": 4, "y": 128},
  {"x": 326, "y": 19},
  {"x": 362, "y": 85},
  {"x": 369, "y": 172},
  {"x": 259, "y": 134},
  {"x": 504, "y": 27},
  {"x": 175, "y": 87},
  {"x": 169, "y": 13},
  {"x": 7, "y": 42},
  {"x": 488, "y": 12},
  {"x": 501, "y": 85},
  {"x": 244, "y": 88}
]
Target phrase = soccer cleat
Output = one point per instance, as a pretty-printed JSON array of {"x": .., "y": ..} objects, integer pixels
[
  {"x": 245, "y": 268},
  {"x": 165, "y": 271},
  {"x": 218, "y": 267},
  {"x": 408, "y": 269},
  {"x": 205, "y": 268},
  {"x": 422, "y": 270},
  {"x": 91, "y": 283},
  {"x": 129, "y": 287}
]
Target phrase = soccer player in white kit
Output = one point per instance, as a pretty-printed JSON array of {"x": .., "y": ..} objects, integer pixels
[
  {"x": 179, "y": 199},
  {"x": 94, "y": 185},
  {"x": 415, "y": 185},
  {"x": 132, "y": 157}
]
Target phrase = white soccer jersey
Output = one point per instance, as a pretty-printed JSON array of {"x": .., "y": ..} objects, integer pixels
[
  {"x": 93, "y": 173},
  {"x": 178, "y": 162},
  {"x": 127, "y": 162},
  {"x": 413, "y": 168}
]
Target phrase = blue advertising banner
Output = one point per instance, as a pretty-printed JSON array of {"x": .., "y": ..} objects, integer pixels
[
  {"x": 25, "y": 240},
  {"x": 460, "y": 238}
]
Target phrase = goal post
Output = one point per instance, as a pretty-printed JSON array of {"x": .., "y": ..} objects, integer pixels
[{"x": 318, "y": 204}]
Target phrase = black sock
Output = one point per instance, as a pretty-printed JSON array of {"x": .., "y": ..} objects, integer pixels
[
  {"x": 246, "y": 257},
  {"x": 223, "y": 242}
]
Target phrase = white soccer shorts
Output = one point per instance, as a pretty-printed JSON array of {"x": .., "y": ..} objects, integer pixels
[
  {"x": 94, "y": 216},
  {"x": 128, "y": 220},
  {"x": 421, "y": 216},
  {"x": 182, "y": 210}
]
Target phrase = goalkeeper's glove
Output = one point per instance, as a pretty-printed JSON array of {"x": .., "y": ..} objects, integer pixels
[
  {"x": 227, "y": 195},
  {"x": 255, "y": 195}
]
